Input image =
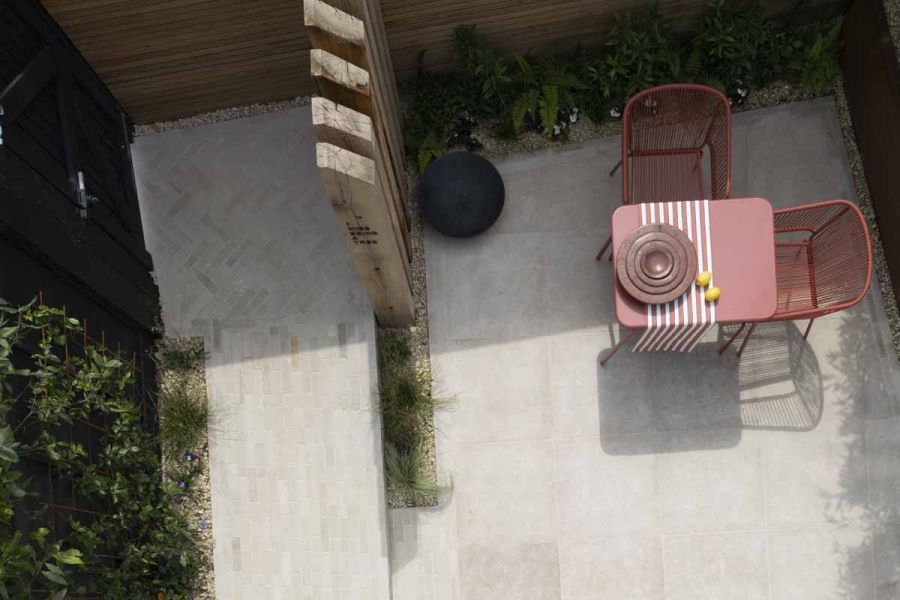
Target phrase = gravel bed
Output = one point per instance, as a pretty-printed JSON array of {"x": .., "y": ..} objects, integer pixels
[
  {"x": 865, "y": 204},
  {"x": 417, "y": 338},
  {"x": 585, "y": 129},
  {"x": 196, "y": 502},
  {"x": 218, "y": 116},
  {"x": 892, "y": 10}
]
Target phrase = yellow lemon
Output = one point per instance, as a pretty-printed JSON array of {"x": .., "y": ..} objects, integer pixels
[
  {"x": 703, "y": 278},
  {"x": 712, "y": 294}
]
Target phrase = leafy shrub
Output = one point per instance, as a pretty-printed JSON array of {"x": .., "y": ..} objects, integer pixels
[
  {"x": 548, "y": 88},
  {"x": 640, "y": 51},
  {"x": 436, "y": 116},
  {"x": 815, "y": 60},
  {"x": 139, "y": 523},
  {"x": 487, "y": 77},
  {"x": 738, "y": 47}
]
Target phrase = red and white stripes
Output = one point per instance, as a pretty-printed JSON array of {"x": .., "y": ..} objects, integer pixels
[{"x": 679, "y": 325}]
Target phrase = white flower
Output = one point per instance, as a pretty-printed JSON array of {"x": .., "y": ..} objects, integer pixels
[
  {"x": 575, "y": 110},
  {"x": 742, "y": 92},
  {"x": 574, "y": 116},
  {"x": 556, "y": 129},
  {"x": 615, "y": 113}
]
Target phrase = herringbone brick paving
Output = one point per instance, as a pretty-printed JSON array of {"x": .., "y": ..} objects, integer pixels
[{"x": 247, "y": 254}]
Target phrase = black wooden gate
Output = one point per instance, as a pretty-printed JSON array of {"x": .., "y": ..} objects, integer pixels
[
  {"x": 70, "y": 227},
  {"x": 69, "y": 219}
]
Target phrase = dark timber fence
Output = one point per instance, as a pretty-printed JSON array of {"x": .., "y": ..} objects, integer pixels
[
  {"x": 70, "y": 227},
  {"x": 872, "y": 74}
]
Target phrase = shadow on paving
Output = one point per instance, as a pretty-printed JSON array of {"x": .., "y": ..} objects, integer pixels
[
  {"x": 867, "y": 391},
  {"x": 667, "y": 405}
]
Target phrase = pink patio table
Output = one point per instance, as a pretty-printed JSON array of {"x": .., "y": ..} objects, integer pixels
[{"x": 734, "y": 240}]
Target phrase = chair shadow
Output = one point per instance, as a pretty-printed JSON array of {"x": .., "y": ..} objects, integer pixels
[{"x": 672, "y": 402}]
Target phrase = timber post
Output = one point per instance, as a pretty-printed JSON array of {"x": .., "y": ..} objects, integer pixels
[{"x": 360, "y": 149}]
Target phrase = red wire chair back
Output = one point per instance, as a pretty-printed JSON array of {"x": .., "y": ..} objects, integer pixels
[
  {"x": 664, "y": 134},
  {"x": 823, "y": 257}
]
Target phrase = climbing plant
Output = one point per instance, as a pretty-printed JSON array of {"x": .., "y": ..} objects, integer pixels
[{"x": 138, "y": 545}]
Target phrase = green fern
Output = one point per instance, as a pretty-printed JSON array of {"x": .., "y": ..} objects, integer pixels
[
  {"x": 816, "y": 65},
  {"x": 549, "y": 107},
  {"x": 548, "y": 87},
  {"x": 524, "y": 105}
]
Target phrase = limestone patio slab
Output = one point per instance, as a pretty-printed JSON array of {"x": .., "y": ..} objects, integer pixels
[{"x": 661, "y": 476}]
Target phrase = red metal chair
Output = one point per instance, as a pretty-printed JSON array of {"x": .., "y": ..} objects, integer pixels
[
  {"x": 823, "y": 262},
  {"x": 665, "y": 131}
]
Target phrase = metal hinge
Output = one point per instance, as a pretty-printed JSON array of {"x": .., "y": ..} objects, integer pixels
[{"x": 85, "y": 200}]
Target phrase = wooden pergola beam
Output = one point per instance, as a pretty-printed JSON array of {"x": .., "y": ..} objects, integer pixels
[
  {"x": 343, "y": 127},
  {"x": 360, "y": 154},
  {"x": 340, "y": 80},
  {"x": 336, "y": 32},
  {"x": 366, "y": 226}
]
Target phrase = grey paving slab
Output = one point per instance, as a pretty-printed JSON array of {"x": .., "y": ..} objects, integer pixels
[
  {"x": 500, "y": 572},
  {"x": 662, "y": 476},
  {"x": 506, "y": 494},
  {"x": 612, "y": 568},
  {"x": 716, "y": 566},
  {"x": 248, "y": 255}
]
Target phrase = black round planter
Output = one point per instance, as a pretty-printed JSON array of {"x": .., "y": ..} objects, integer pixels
[{"x": 461, "y": 194}]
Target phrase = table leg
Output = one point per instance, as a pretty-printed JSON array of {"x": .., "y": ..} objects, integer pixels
[{"x": 615, "y": 348}]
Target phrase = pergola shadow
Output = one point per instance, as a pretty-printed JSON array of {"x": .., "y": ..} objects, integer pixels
[{"x": 672, "y": 402}]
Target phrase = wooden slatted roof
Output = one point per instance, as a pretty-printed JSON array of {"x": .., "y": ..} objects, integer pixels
[
  {"x": 171, "y": 58},
  {"x": 165, "y": 59}
]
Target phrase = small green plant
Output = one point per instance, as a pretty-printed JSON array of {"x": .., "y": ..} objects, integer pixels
[
  {"x": 815, "y": 62},
  {"x": 549, "y": 87},
  {"x": 737, "y": 47},
  {"x": 407, "y": 409},
  {"x": 184, "y": 417},
  {"x": 436, "y": 116},
  {"x": 487, "y": 76},
  {"x": 407, "y": 469},
  {"x": 641, "y": 51},
  {"x": 181, "y": 354}
]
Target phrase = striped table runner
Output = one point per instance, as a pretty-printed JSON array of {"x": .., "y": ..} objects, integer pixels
[{"x": 679, "y": 325}]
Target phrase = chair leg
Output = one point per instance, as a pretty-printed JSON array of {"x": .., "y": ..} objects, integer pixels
[
  {"x": 746, "y": 339},
  {"x": 615, "y": 168},
  {"x": 615, "y": 348},
  {"x": 732, "y": 338},
  {"x": 604, "y": 248},
  {"x": 808, "y": 327}
]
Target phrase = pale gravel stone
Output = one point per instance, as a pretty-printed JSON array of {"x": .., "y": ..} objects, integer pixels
[
  {"x": 892, "y": 10},
  {"x": 196, "y": 503},
  {"x": 417, "y": 338},
  {"x": 865, "y": 204},
  {"x": 218, "y": 116}
]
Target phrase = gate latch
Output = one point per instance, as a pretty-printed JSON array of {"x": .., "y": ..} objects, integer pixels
[{"x": 85, "y": 200}]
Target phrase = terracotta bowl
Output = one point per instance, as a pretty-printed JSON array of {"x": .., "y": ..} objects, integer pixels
[{"x": 656, "y": 263}]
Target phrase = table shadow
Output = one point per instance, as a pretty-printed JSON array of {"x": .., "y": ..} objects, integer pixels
[{"x": 673, "y": 402}]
